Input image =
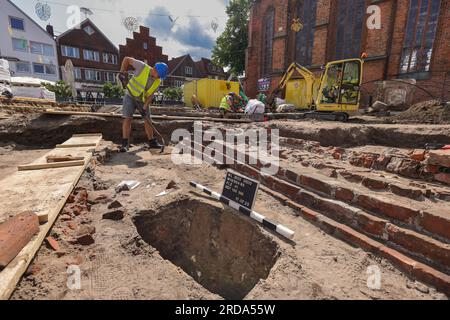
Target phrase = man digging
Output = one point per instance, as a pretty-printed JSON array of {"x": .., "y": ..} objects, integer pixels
[{"x": 139, "y": 95}]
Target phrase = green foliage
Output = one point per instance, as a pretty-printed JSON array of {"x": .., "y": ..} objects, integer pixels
[
  {"x": 61, "y": 89},
  {"x": 112, "y": 91},
  {"x": 230, "y": 47},
  {"x": 175, "y": 94}
]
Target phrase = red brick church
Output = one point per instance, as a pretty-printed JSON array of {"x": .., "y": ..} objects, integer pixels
[{"x": 413, "y": 42}]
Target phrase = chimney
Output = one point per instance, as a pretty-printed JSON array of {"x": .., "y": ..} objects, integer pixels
[{"x": 50, "y": 30}]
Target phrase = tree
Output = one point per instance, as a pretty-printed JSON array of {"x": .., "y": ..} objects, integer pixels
[
  {"x": 112, "y": 90},
  {"x": 174, "y": 94},
  {"x": 230, "y": 47},
  {"x": 61, "y": 89}
]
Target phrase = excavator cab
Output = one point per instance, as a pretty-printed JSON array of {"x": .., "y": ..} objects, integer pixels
[{"x": 340, "y": 89}]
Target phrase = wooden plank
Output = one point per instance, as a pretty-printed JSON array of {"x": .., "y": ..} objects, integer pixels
[
  {"x": 160, "y": 117},
  {"x": 51, "y": 165},
  {"x": 76, "y": 145},
  {"x": 51, "y": 159},
  {"x": 87, "y": 135},
  {"x": 44, "y": 192}
]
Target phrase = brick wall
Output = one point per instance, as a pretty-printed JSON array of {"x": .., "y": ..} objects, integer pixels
[{"x": 384, "y": 46}]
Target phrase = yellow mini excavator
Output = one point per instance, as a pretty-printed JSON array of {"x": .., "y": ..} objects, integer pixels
[{"x": 335, "y": 95}]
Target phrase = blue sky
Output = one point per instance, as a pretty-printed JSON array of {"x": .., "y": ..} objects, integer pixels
[{"x": 191, "y": 33}]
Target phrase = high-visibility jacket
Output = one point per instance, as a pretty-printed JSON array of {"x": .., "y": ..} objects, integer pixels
[
  {"x": 224, "y": 103},
  {"x": 137, "y": 84}
]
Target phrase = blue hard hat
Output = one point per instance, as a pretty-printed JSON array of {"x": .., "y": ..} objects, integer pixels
[{"x": 162, "y": 70}]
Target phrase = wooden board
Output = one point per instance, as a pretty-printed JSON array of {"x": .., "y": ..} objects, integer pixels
[
  {"x": 44, "y": 192},
  {"x": 42, "y": 166},
  {"x": 75, "y": 145},
  {"x": 160, "y": 117},
  {"x": 52, "y": 159}
]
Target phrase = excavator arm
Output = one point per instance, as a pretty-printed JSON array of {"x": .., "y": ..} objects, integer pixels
[{"x": 305, "y": 73}]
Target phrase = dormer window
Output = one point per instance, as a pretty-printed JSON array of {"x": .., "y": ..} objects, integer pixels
[{"x": 89, "y": 30}]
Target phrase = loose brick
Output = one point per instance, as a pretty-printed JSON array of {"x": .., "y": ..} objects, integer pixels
[
  {"x": 115, "y": 205},
  {"x": 15, "y": 234},
  {"x": 85, "y": 240},
  {"x": 53, "y": 244},
  {"x": 116, "y": 215}
]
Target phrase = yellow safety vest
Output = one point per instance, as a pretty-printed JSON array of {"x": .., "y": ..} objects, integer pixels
[
  {"x": 224, "y": 104},
  {"x": 137, "y": 84}
]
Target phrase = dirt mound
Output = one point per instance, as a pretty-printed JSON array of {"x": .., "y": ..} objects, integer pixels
[{"x": 432, "y": 112}]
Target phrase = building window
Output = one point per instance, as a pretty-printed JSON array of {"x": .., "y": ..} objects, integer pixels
[
  {"x": 145, "y": 46},
  {"x": 91, "y": 55},
  {"x": 41, "y": 48},
  {"x": 50, "y": 69},
  {"x": 41, "y": 68},
  {"x": 20, "y": 44},
  {"x": 70, "y": 52},
  {"x": 92, "y": 75},
  {"x": 188, "y": 71},
  {"x": 23, "y": 67},
  {"x": 304, "y": 40},
  {"x": 89, "y": 30},
  {"x": 179, "y": 83},
  {"x": 38, "y": 68},
  {"x": 109, "y": 58},
  {"x": 420, "y": 35},
  {"x": 17, "y": 23},
  {"x": 268, "y": 33},
  {"x": 77, "y": 73},
  {"x": 110, "y": 77},
  {"x": 350, "y": 22}
]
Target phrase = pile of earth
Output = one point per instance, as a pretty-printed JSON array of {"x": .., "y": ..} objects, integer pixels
[{"x": 429, "y": 112}]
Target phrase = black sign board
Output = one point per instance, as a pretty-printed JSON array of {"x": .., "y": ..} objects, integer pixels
[{"x": 240, "y": 189}]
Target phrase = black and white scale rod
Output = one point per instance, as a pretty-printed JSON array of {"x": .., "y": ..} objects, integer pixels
[{"x": 278, "y": 228}]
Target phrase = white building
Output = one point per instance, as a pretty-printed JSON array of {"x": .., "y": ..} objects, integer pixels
[{"x": 30, "y": 50}]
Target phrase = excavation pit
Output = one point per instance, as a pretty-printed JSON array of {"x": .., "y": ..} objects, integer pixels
[{"x": 224, "y": 252}]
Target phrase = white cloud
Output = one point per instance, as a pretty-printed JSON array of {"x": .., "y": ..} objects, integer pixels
[{"x": 185, "y": 37}]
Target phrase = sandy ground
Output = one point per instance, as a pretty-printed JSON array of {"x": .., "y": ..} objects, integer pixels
[
  {"x": 12, "y": 155},
  {"x": 121, "y": 265}
]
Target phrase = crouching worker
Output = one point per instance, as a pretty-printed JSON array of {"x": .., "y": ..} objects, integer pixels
[
  {"x": 230, "y": 103},
  {"x": 139, "y": 95}
]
